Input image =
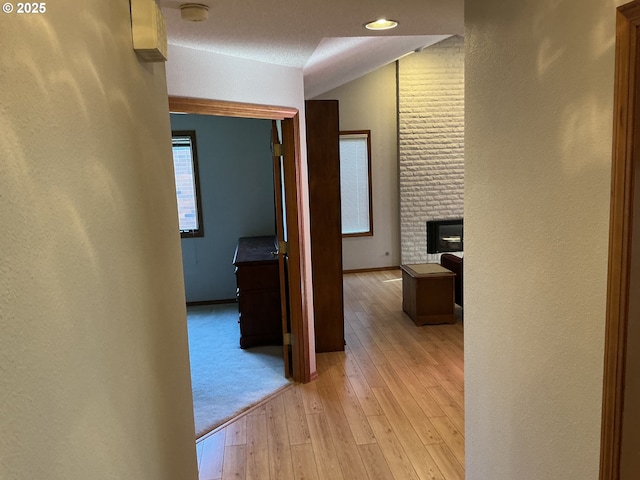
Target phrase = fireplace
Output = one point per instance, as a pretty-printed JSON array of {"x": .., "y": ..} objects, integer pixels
[{"x": 444, "y": 236}]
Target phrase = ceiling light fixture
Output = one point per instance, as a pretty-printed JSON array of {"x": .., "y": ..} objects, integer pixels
[
  {"x": 381, "y": 24},
  {"x": 194, "y": 12}
]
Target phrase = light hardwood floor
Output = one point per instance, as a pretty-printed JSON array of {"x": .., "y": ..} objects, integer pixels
[{"x": 390, "y": 407}]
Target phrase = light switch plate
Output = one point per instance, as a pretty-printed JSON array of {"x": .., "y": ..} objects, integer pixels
[{"x": 149, "y": 31}]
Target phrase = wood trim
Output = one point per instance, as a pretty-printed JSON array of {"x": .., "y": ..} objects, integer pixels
[
  {"x": 294, "y": 194},
  {"x": 375, "y": 269},
  {"x": 211, "y": 302},
  {"x": 229, "y": 109},
  {"x": 293, "y": 188},
  {"x": 621, "y": 215},
  {"x": 278, "y": 183}
]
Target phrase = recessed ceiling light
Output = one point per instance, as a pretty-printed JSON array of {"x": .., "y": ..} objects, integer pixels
[{"x": 381, "y": 24}]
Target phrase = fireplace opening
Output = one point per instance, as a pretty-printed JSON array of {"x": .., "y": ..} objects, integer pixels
[{"x": 444, "y": 236}]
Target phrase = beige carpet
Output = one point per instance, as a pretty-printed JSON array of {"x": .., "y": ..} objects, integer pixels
[{"x": 226, "y": 379}]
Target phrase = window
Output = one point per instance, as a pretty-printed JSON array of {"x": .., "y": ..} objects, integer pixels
[
  {"x": 355, "y": 183},
  {"x": 185, "y": 165}
]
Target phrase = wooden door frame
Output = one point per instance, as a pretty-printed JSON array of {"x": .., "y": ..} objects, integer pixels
[
  {"x": 283, "y": 272},
  {"x": 293, "y": 183},
  {"x": 620, "y": 236}
]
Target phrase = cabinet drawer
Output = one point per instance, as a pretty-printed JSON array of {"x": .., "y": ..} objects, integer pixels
[{"x": 257, "y": 277}]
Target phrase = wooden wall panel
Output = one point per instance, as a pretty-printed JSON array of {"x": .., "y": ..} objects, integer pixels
[{"x": 323, "y": 159}]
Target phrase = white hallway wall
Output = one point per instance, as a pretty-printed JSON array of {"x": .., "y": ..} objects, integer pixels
[
  {"x": 538, "y": 98},
  {"x": 94, "y": 367}
]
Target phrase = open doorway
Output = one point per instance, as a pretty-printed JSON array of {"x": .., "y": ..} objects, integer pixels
[
  {"x": 233, "y": 303},
  {"x": 300, "y": 357}
]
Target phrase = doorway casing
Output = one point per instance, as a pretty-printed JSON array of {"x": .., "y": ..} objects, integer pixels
[
  {"x": 293, "y": 181},
  {"x": 625, "y": 144}
]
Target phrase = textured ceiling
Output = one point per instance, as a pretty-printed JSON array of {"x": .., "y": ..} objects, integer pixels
[{"x": 324, "y": 38}]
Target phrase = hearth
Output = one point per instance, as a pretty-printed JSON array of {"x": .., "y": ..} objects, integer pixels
[{"x": 444, "y": 236}]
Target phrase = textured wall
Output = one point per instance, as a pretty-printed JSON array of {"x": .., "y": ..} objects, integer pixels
[
  {"x": 94, "y": 368},
  {"x": 236, "y": 190},
  {"x": 539, "y": 88},
  {"x": 431, "y": 142},
  {"x": 369, "y": 103}
]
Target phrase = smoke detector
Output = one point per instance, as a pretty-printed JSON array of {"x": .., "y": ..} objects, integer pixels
[{"x": 194, "y": 12}]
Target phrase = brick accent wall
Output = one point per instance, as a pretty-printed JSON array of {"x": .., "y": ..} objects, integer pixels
[{"x": 430, "y": 142}]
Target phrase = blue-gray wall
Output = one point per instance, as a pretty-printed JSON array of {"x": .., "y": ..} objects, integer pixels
[{"x": 236, "y": 188}]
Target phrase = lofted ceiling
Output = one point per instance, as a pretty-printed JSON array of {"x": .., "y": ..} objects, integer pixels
[{"x": 326, "y": 39}]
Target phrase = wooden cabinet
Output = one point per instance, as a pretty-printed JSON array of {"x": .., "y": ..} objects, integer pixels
[
  {"x": 427, "y": 293},
  {"x": 323, "y": 160},
  {"x": 258, "y": 291}
]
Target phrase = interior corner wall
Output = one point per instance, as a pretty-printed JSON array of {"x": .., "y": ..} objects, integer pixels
[
  {"x": 539, "y": 115},
  {"x": 235, "y": 167},
  {"x": 369, "y": 103},
  {"x": 94, "y": 360},
  {"x": 431, "y": 142}
]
